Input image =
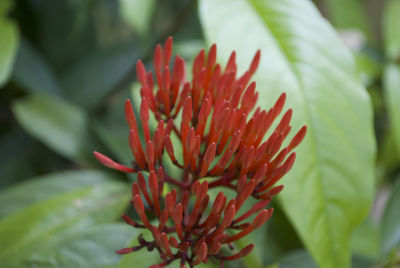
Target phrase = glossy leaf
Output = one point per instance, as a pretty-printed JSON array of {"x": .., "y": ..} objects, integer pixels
[
  {"x": 391, "y": 222},
  {"x": 329, "y": 190},
  {"x": 8, "y": 41},
  {"x": 46, "y": 187},
  {"x": 87, "y": 247},
  {"x": 32, "y": 71},
  {"x": 57, "y": 123},
  {"x": 41, "y": 226}
]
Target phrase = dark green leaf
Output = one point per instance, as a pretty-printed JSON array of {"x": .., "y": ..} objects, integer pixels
[
  {"x": 113, "y": 130},
  {"x": 32, "y": 72},
  {"x": 391, "y": 222},
  {"x": 64, "y": 37},
  {"x": 116, "y": 139},
  {"x": 15, "y": 148},
  {"x": 57, "y": 123},
  {"x": 362, "y": 262},
  {"x": 91, "y": 79},
  {"x": 302, "y": 259},
  {"x": 330, "y": 188},
  {"x": 368, "y": 66}
]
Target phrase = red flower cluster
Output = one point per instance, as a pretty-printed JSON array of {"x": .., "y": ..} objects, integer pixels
[{"x": 223, "y": 144}]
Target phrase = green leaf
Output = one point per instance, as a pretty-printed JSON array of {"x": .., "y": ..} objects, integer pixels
[
  {"x": 391, "y": 222},
  {"x": 32, "y": 72},
  {"x": 279, "y": 238},
  {"x": 39, "y": 227},
  {"x": 254, "y": 259},
  {"x": 8, "y": 42},
  {"x": 88, "y": 247},
  {"x": 391, "y": 79},
  {"x": 365, "y": 240},
  {"x": 141, "y": 258},
  {"x": 138, "y": 14},
  {"x": 302, "y": 259},
  {"x": 91, "y": 79},
  {"x": 116, "y": 139},
  {"x": 46, "y": 187},
  {"x": 298, "y": 259},
  {"x": 16, "y": 147},
  {"x": 57, "y": 123},
  {"x": 369, "y": 68},
  {"x": 348, "y": 14},
  {"x": 391, "y": 34},
  {"x": 330, "y": 188}
]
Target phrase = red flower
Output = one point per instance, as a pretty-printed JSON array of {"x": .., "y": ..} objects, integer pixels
[{"x": 223, "y": 145}]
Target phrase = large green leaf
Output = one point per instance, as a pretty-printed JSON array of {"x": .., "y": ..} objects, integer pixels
[
  {"x": 391, "y": 222},
  {"x": 58, "y": 124},
  {"x": 329, "y": 190},
  {"x": 85, "y": 247},
  {"x": 46, "y": 187},
  {"x": 391, "y": 22},
  {"x": 41, "y": 226},
  {"x": 32, "y": 72},
  {"x": 391, "y": 79},
  {"x": 8, "y": 42}
]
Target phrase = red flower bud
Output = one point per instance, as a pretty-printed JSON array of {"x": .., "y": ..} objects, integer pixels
[{"x": 219, "y": 122}]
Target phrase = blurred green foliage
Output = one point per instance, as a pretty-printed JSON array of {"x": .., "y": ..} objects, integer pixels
[{"x": 67, "y": 66}]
